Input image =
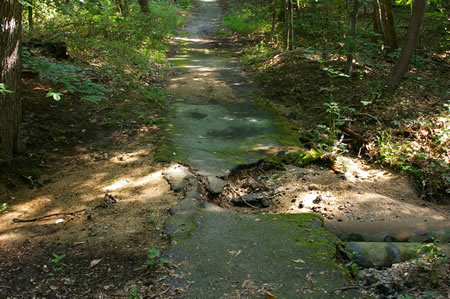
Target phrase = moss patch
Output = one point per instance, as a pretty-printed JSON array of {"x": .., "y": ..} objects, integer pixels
[
  {"x": 312, "y": 237},
  {"x": 289, "y": 132}
]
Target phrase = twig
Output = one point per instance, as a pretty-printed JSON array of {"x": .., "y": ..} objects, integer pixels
[
  {"x": 369, "y": 115},
  {"x": 348, "y": 288},
  {"x": 287, "y": 52},
  {"x": 47, "y": 216},
  {"x": 359, "y": 287},
  {"x": 160, "y": 294},
  {"x": 354, "y": 135},
  {"x": 248, "y": 203},
  {"x": 31, "y": 181}
]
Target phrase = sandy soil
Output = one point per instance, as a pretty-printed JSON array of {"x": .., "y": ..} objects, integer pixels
[
  {"x": 115, "y": 203},
  {"x": 356, "y": 195}
]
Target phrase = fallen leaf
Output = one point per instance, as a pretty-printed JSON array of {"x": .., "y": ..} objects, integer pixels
[
  {"x": 94, "y": 263},
  {"x": 270, "y": 296},
  {"x": 235, "y": 253}
]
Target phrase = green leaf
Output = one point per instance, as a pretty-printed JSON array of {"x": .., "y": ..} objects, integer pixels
[
  {"x": 25, "y": 3},
  {"x": 55, "y": 95},
  {"x": 4, "y": 89}
]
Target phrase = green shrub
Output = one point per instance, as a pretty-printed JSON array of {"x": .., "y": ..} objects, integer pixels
[{"x": 245, "y": 21}]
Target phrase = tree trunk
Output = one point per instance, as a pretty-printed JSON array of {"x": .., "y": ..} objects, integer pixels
[
  {"x": 144, "y": 6},
  {"x": 10, "y": 69},
  {"x": 286, "y": 23},
  {"x": 377, "y": 22},
  {"x": 390, "y": 36},
  {"x": 288, "y": 26},
  {"x": 30, "y": 18},
  {"x": 348, "y": 69},
  {"x": 274, "y": 20},
  {"x": 412, "y": 38},
  {"x": 291, "y": 25},
  {"x": 122, "y": 6}
]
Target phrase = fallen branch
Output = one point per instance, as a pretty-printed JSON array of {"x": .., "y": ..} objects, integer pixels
[
  {"x": 287, "y": 52},
  {"x": 30, "y": 180},
  {"x": 250, "y": 205},
  {"x": 355, "y": 135},
  {"x": 47, "y": 216}
]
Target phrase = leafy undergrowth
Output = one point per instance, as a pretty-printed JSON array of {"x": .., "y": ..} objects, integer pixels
[
  {"x": 102, "y": 77},
  {"x": 407, "y": 131}
]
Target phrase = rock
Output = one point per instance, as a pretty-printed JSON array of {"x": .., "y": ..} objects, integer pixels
[
  {"x": 317, "y": 199},
  {"x": 176, "y": 175},
  {"x": 215, "y": 185},
  {"x": 265, "y": 202}
]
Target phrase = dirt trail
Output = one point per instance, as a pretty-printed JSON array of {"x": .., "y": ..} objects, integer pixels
[
  {"x": 215, "y": 125},
  {"x": 124, "y": 201},
  {"x": 216, "y": 128}
]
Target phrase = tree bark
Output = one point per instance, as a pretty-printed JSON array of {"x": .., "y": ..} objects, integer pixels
[
  {"x": 144, "y": 6},
  {"x": 10, "y": 70},
  {"x": 122, "y": 6},
  {"x": 390, "y": 36},
  {"x": 274, "y": 19},
  {"x": 30, "y": 18},
  {"x": 412, "y": 38},
  {"x": 348, "y": 69},
  {"x": 288, "y": 25},
  {"x": 377, "y": 22}
]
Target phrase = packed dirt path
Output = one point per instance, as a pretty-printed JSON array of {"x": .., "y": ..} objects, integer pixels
[
  {"x": 258, "y": 239},
  {"x": 215, "y": 125},
  {"x": 220, "y": 253}
]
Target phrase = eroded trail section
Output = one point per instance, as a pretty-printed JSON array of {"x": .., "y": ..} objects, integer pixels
[
  {"x": 220, "y": 253},
  {"x": 215, "y": 127}
]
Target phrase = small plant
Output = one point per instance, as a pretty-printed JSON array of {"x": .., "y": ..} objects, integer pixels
[
  {"x": 152, "y": 217},
  {"x": 154, "y": 258},
  {"x": 58, "y": 265},
  {"x": 4, "y": 208},
  {"x": 133, "y": 293},
  {"x": 4, "y": 90},
  {"x": 336, "y": 119},
  {"x": 431, "y": 260}
]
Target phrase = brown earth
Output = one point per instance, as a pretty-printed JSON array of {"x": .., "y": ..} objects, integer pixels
[
  {"x": 356, "y": 193},
  {"x": 111, "y": 195}
]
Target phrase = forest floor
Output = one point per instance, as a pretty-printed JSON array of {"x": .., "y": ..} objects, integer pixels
[{"x": 93, "y": 168}]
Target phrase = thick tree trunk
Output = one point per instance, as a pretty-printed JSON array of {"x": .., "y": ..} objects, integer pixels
[
  {"x": 348, "y": 69},
  {"x": 390, "y": 36},
  {"x": 10, "y": 69},
  {"x": 144, "y": 6},
  {"x": 412, "y": 38}
]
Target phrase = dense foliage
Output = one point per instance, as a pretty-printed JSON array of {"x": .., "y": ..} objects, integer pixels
[{"x": 127, "y": 48}]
